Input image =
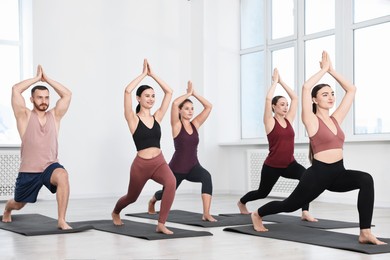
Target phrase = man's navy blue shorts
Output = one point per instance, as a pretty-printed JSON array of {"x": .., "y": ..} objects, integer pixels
[{"x": 28, "y": 184}]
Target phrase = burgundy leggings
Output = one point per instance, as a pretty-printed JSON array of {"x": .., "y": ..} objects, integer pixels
[{"x": 143, "y": 170}]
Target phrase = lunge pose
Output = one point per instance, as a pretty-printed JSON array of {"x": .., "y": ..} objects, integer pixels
[
  {"x": 38, "y": 129},
  {"x": 184, "y": 163},
  {"x": 278, "y": 121},
  {"x": 326, "y": 149},
  {"x": 149, "y": 162}
]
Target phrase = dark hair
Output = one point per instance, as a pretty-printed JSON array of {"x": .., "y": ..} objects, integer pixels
[
  {"x": 39, "y": 87},
  {"x": 275, "y": 100},
  {"x": 182, "y": 104},
  {"x": 139, "y": 92},
  {"x": 314, "y": 92}
]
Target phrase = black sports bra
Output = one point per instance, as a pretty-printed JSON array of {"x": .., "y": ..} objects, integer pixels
[{"x": 145, "y": 137}]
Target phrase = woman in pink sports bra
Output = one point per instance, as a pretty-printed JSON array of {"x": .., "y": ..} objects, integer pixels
[{"x": 326, "y": 145}]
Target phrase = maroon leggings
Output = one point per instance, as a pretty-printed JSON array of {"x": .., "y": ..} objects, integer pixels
[{"x": 143, "y": 170}]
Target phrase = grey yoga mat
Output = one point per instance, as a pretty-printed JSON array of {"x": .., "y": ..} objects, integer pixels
[{"x": 313, "y": 236}]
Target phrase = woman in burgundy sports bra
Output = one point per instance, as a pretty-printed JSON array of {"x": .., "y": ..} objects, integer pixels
[
  {"x": 149, "y": 162},
  {"x": 326, "y": 143},
  {"x": 184, "y": 162},
  {"x": 278, "y": 120}
]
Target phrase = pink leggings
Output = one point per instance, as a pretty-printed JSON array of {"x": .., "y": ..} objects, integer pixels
[{"x": 143, "y": 170}]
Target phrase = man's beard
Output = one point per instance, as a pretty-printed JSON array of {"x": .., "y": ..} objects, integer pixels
[{"x": 42, "y": 107}]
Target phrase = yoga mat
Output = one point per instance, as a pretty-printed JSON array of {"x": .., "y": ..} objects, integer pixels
[
  {"x": 195, "y": 219},
  {"x": 141, "y": 230},
  {"x": 36, "y": 225},
  {"x": 314, "y": 236},
  {"x": 283, "y": 218}
]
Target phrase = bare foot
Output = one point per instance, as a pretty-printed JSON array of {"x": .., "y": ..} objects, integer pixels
[
  {"x": 161, "y": 228},
  {"x": 242, "y": 208},
  {"x": 63, "y": 225},
  {"x": 151, "y": 209},
  {"x": 257, "y": 222},
  {"x": 208, "y": 217},
  {"x": 307, "y": 217},
  {"x": 366, "y": 237},
  {"x": 116, "y": 219},
  {"x": 7, "y": 217}
]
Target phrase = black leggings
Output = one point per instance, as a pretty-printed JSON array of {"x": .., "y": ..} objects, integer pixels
[
  {"x": 269, "y": 176},
  {"x": 196, "y": 174},
  {"x": 333, "y": 177}
]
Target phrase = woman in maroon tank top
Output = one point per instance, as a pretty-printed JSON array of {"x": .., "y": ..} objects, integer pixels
[
  {"x": 278, "y": 120},
  {"x": 184, "y": 162}
]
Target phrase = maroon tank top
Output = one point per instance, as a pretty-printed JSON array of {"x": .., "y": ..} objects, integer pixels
[
  {"x": 185, "y": 156},
  {"x": 281, "y": 146}
]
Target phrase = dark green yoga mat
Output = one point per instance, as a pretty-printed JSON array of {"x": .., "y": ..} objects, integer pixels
[
  {"x": 313, "y": 236},
  {"x": 283, "y": 218},
  {"x": 36, "y": 225},
  {"x": 195, "y": 219},
  {"x": 141, "y": 230}
]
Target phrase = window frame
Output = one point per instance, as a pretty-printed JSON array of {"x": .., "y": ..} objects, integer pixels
[{"x": 344, "y": 60}]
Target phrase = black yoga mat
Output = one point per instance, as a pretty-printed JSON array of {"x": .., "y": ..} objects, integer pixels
[
  {"x": 36, "y": 225},
  {"x": 141, "y": 230},
  {"x": 313, "y": 236},
  {"x": 195, "y": 219},
  {"x": 283, "y": 218}
]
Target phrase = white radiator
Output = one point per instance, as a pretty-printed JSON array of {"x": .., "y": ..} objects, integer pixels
[
  {"x": 284, "y": 186},
  {"x": 9, "y": 167}
]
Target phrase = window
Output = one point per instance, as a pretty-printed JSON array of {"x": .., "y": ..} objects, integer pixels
[
  {"x": 15, "y": 56},
  {"x": 354, "y": 32}
]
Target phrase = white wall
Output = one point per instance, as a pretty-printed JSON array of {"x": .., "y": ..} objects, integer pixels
[{"x": 95, "y": 47}]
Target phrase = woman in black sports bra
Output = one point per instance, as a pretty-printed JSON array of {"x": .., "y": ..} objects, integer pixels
[{"x": 149, "y": 162}]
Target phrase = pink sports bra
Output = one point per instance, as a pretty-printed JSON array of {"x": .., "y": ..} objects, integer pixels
[{"x": 325, "y": 139}]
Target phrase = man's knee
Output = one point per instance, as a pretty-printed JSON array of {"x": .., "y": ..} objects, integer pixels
[{"x": 59, "y": 177}]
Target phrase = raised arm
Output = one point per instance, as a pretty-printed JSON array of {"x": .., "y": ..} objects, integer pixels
[
  {"x": 268, "y": 119},
  {"x": 17, "y": 99},
  {"x": 65, "y": 94},
  {"x": 175, "y": 119},
  {"x": 292, "y": 111},
  {"x": 130, "y": 115},
  {"x": 350, "y": 90},
  {"x": 160, "y": 112},
  {"x": 202, "y": 116},
  {"x": 308, "y": 117},
  {"x": 21, "y": 112}
]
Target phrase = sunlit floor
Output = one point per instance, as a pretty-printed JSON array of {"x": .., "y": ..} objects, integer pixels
[{"x": 95, "y": 244}]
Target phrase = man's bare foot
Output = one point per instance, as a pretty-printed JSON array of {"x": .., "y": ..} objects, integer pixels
[
  {"x": 151, "y": 209},
  {"x": 208, "y": 217},
  {"x": 6, "y": 217},
  {"x": 257, "y": 222},
  {"x": 161, "y": 228},
  {"x": 307, "y": 217},
  {"x": 63, "y": 225},
  {"x": 242, "y": 208},
  {"x": 116, "y": 219},
  {"x": 366, "y": 237}
]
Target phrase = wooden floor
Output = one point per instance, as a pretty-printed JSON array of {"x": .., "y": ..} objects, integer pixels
[{"x": 222, "y": 245}]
